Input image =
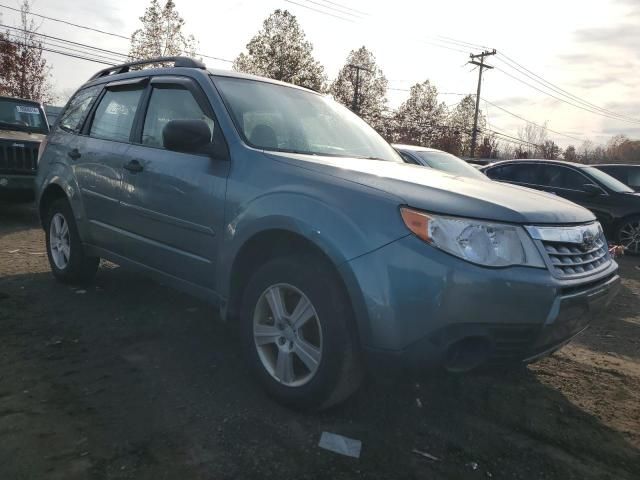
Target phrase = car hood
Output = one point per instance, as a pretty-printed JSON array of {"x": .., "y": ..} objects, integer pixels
[
  {"x": 18, "y": 136},
  {"x": 448, "y": 194}
]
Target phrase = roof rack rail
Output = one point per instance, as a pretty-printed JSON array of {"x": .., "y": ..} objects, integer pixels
[{"x": 125, "y": 67}]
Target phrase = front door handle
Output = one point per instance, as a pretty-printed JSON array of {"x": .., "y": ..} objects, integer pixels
[
  {"x": 134, "y": 166},
  {"x": 74, "y": 154}
]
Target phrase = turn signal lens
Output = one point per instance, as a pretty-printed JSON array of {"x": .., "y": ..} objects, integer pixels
[{"x": 417, "y": 222}]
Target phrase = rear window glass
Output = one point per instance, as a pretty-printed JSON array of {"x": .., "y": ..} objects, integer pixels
[
  {"x": 73, "y": 116},
  {"x": 523, "y": 173}
]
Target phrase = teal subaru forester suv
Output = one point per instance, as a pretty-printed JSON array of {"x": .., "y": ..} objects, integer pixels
[{"x": 307, "y": 229}]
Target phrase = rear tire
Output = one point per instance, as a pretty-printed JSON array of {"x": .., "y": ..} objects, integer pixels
[
  {"x": 333, "y": 370},
  {"x": 69, "y": 263},
  {"x": 628, "y": 235}
]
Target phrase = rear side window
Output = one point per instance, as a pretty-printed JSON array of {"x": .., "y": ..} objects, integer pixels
[
  {"x": 115, "y": 114},
  {"x": 168, "y": 104},
  {"x": 634, "y": 177},
  {"x": 618, "y": 173},
  {"x": 73, "y": 116},
  {"x": 562, "y": 177},
  {"x": 524, "y": 173}
]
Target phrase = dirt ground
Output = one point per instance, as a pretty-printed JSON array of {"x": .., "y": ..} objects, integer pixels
[{"x": 131, "y": 380}]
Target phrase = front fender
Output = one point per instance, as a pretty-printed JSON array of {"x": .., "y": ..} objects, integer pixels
[{"x": 343, "y": 229}]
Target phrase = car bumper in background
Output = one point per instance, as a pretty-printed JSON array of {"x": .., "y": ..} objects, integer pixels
[
  {"x": 19, "y": 188},
  {"x": 422, "y": 307}
]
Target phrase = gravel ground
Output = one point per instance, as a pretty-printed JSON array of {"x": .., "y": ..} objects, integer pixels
[{"x": 131, "y": 380}]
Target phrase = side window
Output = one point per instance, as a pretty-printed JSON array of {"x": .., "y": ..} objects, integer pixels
[
  {"x": 166, "y": 104},
  {"x": 520, "y": 173},
  {"x": 115, "y": 114},
  {"x": 633, "y": 177},
  {"x": 73, "y": 116},
  {"x": 617, "y": 173},
  {"x": 407, "y": 158},
  {"x": 562, "y": 177}
]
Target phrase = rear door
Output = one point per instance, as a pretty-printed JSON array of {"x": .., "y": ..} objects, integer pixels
[
  {"x": 101, "y": 153},
  {"x": 173, "y": 203},
  {"x": 521, "y": 173}
]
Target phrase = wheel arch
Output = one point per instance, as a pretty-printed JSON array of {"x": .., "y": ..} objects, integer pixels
[
  {"x": 50, "y": 194},
  {"x": 272, "y": 243}
]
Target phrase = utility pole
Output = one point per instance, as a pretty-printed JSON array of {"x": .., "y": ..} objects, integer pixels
[
  {"x": 482, "y": 66},
  {"x": 355, "y": 104}
]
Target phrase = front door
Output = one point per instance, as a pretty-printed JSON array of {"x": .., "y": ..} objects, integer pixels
[
  {"x": 173, "y": 203},
  {"x": 569, "y": 183}
]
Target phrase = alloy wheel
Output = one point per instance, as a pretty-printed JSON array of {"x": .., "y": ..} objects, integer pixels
[
  {"x": 287, "y": 335},
  {"x": 630, "y": 236},
  {"x": 60, "y": 241}
]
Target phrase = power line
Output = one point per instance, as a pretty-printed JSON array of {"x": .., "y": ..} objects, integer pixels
[
  {"x": 65, "y": 21},
  {"x": 345, "y": 7},
  {"x": 540, "y": 80},
  {"x": 19, "y": 41},
  {"x": 333, "y": 9},
  {"x": 529, "y": 121},
  {"x": 66, "y": 54},
  {"x": 68, "y": 41},
  {"x": 320, "y": 11},
  {"x": 102, "y": 31},
  {"x": 564, "y": 100},
  {"x": 509, "y": 137}
]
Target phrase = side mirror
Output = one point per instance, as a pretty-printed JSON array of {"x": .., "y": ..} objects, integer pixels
[
  {"x": 187, "y": 136},
  {"x": 591, "y": 189}
]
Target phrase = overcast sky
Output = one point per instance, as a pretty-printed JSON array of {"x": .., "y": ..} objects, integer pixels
[{"x": 589, "y": 48}]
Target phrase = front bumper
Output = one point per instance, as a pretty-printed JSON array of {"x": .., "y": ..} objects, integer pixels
[
  {"x": 19, "y": 188},
  {"x": 413, "y": 302}
]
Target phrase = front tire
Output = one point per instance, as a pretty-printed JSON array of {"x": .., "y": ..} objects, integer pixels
[
  {"x": 297, "y": 333},
  {"x": 67, "y": 258},
  {"x": 629, "y": 235}
]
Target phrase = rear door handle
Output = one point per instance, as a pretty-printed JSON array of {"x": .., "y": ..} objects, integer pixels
[
  {"x": 74, "y": 154},
  {"x": 134, "y": 166}
]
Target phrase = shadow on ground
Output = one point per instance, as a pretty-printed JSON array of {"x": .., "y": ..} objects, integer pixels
[
  {"x": 18, "y": 217},
  {"x": 128, "y": 379}
]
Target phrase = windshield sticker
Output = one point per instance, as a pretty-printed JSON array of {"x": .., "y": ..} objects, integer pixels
[{"x": 29, "y": 110}]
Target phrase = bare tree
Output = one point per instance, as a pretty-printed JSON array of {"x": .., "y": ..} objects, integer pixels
[
  {"x": 534, "y": 136},
  {"x": 161, "y": 34},
  {"x": 420, "y": 119},
  {"x": 372, "y": 86},
  {"x": 570, "y": 154},
  {"x": 281, "y": 51},
  {"x": 460, "y": 119},
  {"x": 24, "y": 70},
  {"x": 549, "y": 150}
]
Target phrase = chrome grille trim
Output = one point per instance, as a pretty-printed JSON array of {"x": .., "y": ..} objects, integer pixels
[
  {"x": 574, "y": 251},
  {"x": 21, "y": 159}
]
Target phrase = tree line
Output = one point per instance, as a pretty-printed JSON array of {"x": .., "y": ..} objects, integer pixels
[{"x": 280, "y": 50}]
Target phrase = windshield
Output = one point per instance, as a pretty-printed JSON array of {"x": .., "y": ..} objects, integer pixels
[
  {"x": 607, "y": 180},
  {"x": 449, "y": 163},
  {"x": 19, "y": 115},
  {"x": 280, "y": 118}
]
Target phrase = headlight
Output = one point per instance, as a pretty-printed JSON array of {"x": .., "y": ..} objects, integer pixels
[{"x": 484, "y": 243}]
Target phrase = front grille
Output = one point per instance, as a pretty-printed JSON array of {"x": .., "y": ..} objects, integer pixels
[
  {"x": 18, "y": 157},
  {"x": 570, "y": 259}
]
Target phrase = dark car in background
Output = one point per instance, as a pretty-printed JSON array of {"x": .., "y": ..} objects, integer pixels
[
  {"x": 627, "y": 174},
  {"x": 23, "y": 126},
  {"x": 616, "y": 206},
  {"x": 433, "y": 158}
]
